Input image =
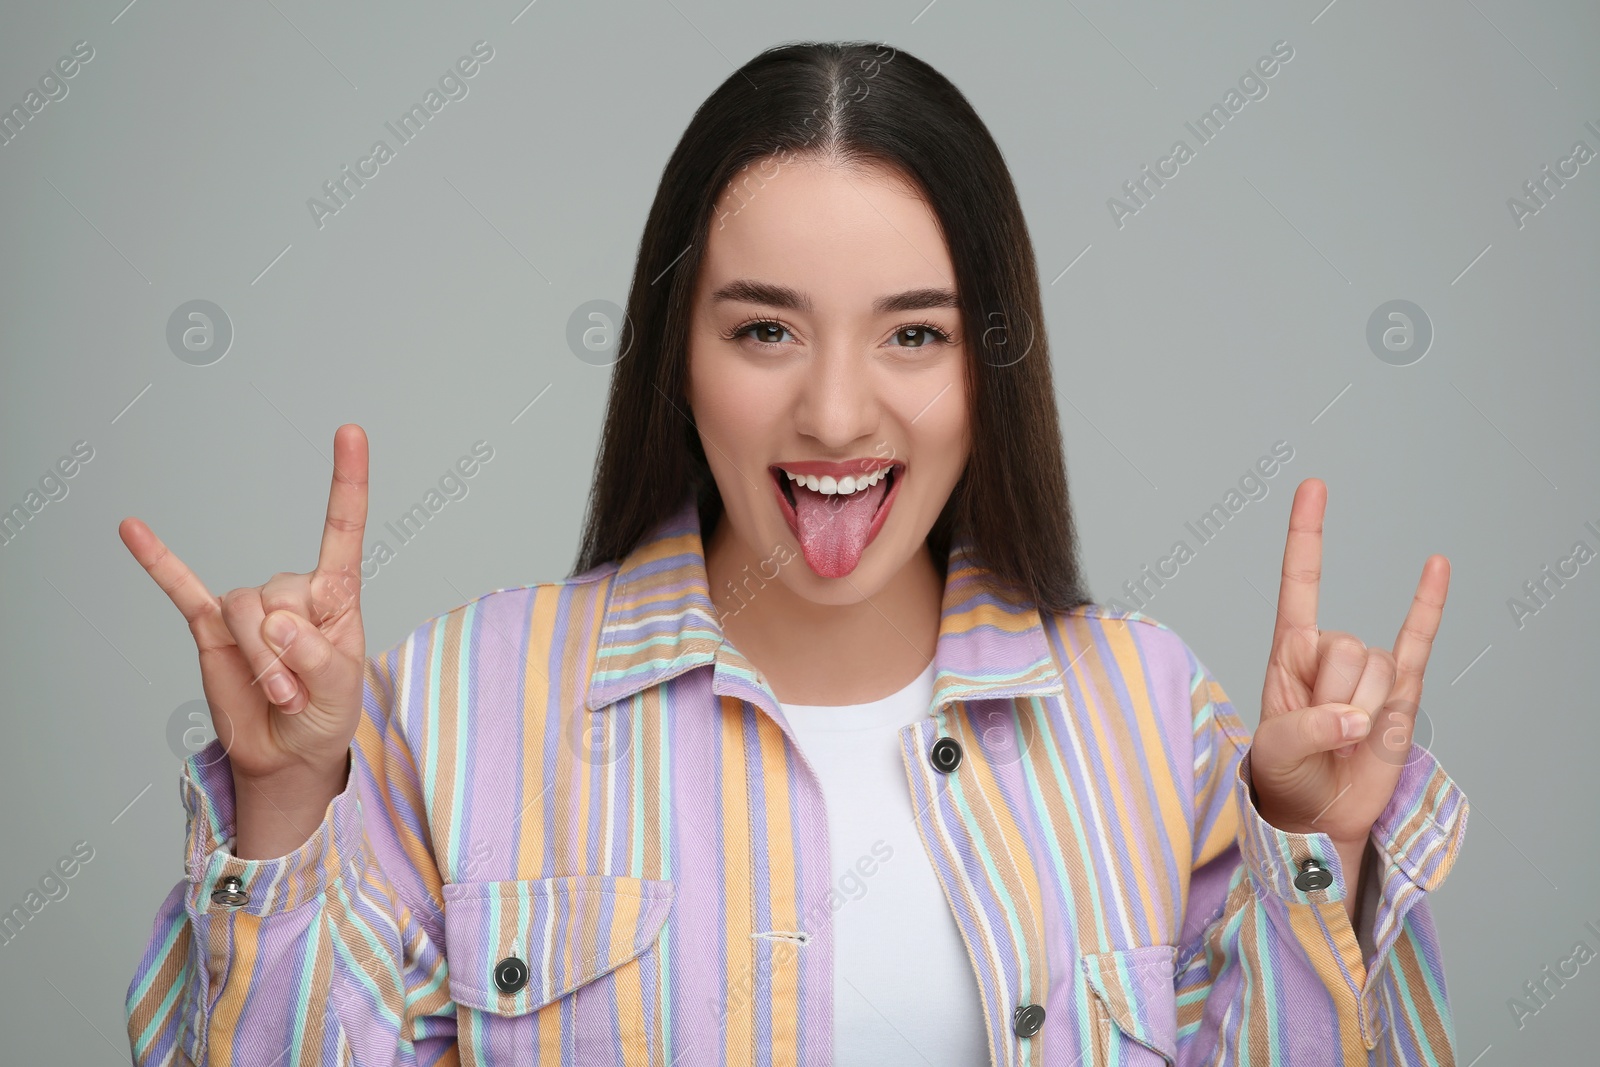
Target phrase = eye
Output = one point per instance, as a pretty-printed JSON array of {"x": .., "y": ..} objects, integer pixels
[
  {"x": 919, "y": 335},
  {"x": 767, "y": 332}
]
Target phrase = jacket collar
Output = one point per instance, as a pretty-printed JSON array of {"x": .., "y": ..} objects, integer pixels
[{"x": 660, "y": 622}]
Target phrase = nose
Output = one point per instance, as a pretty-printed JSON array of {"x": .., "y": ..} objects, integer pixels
[{"x": 838, "y": 400}]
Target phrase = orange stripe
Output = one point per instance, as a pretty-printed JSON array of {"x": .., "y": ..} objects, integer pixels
[
  {"x": 1013, "y": 858},
  {"x": 1254, "y": 1028},
  {"x": 535, "y": 713},
  {"x": 376, "y": 750},
  {"x": 1166, "y": 775},
  {"x": 626, "y": 985},
  {"x": 1097, "y": 689},
  {"x": 1407, "y": 960},
  {"x": 241, "y": 968},
  {"x": 1346, "y": 1001}
]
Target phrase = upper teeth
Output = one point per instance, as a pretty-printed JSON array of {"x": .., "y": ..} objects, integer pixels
[{"x": 828, "y": 485}]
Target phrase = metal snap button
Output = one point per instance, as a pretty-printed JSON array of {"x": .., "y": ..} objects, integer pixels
[
  {"x": 510, "y": 975},
  {"x": 1313, "y": 876},
  {"x": 1027, "y": 1020},
  {"x": 230, "y": 892},
  {"x": 945, "y": 754}
]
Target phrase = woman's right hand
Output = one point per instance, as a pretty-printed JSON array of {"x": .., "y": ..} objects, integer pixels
[{"x": 284, "y": 708}]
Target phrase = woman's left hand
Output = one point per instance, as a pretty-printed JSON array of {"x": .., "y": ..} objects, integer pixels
[{"x": 1336, "y": 716}]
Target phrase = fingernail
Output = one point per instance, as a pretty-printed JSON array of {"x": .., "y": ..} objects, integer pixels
[
  {"x": 1353, "y": 724},
  {"x": 280, "y": 689},
  {"x": 280, "y": 631}
]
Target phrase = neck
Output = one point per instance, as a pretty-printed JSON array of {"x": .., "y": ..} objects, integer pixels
[{"x": 827, "y": 654}]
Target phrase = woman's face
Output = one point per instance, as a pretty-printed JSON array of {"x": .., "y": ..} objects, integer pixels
[{"x": 826, "y": 342}]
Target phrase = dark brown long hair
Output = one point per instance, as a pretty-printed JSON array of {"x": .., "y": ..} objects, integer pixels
[{"x": 855, "y": 102}]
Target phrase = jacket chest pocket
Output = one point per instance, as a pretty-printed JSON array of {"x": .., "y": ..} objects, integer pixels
[
  {"x": 556, "y": 970},
  {"x": 1134, "y": 1006}
]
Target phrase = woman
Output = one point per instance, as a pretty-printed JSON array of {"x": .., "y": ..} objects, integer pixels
[{"x": 823, "y": 755}]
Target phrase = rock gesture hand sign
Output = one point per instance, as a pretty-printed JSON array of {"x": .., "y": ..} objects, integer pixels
[
  {"x": 1337, "y": 716},
  {"x": 282, "y": 665}
]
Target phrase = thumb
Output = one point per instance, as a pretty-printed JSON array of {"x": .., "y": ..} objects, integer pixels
[
  {"x": 1283, "y": 741},
  {"x": 325, "y": 672}
]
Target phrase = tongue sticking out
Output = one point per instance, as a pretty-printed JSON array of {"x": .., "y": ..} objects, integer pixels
[{"x": 833, "y": 529}]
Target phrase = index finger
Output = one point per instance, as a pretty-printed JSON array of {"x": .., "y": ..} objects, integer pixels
[
  {"x": 1415, "y": 640},
  {"x": 182, "y": 586},
  {"x": 346, "y": 523},
  {"x": 1302, "y": 564}
]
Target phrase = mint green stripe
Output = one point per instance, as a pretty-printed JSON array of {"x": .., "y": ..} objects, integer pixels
[
  {"x": 1233, "y": 942},
  {"x": 336, "y": 935},
  {"x": 1411, "y": 1008},
  {"x": 965, "y": 811},
  {"x": 1269, "y": 990},
  {"x": 354, "y": 920},
  {"x": 673, "y": 638},
  {"x": 1052, "y": 842},
  {"x": 1063, "y": 785},
  {"x": 172, "y": 994},
  {"x": 415, "y": 995},
  {"x": 464, "y": 731},
  {"x": 143, "y": 987},
  {"x": 302, "y": 991}
]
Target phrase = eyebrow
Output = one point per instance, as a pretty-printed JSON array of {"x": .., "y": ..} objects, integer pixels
[{"x": 782, "y": 296}]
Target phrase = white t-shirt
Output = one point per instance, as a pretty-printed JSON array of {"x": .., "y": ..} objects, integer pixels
[{"x": 904, "y": 988}]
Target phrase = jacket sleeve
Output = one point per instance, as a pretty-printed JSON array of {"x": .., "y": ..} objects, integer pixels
[
  {"x": 1268, "y": 972},
  {"x": 331, "y": 955}
]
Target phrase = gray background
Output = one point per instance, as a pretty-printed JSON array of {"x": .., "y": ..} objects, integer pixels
[{"x": 1229, "y": 313}]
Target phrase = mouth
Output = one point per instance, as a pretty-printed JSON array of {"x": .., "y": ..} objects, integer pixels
[{"x": 835, "y": 510}]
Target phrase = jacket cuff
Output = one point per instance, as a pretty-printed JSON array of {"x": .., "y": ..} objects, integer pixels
[
  {"x": 1276, "y": 858},
  {"x": 264, "y": 886},
  {"x": 1417, "y": 836}
]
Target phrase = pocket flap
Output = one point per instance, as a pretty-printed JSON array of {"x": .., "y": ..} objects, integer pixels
[
  {"x": 1136, "y": 987},
  {"x": 567, "y": 931}
]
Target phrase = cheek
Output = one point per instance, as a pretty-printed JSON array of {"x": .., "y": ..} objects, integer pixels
[
  {"x": 947, "y": 448},
  {"x": 733, "y": 406},
  {"x": 943, "y": 432}
]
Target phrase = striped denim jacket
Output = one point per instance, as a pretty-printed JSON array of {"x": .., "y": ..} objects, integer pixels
[{"x": 577, "y": 830}]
